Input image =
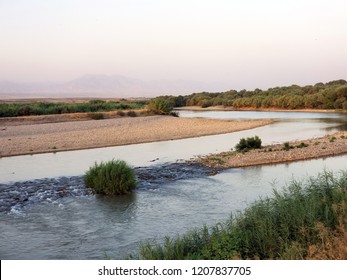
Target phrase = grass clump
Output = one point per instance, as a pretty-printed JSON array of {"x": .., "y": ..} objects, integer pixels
[
  {"x": 332, "y": 139},
  {"x": 302, "y": 145},
  {"x": 250, "y": 143},
  {"x": 287, "y": 146},
  {"x": 115, "y": 177},
  {"x": 307, "y": 221}
]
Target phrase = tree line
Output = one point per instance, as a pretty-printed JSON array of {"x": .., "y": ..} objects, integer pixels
[{"x": 331, "y": 95}]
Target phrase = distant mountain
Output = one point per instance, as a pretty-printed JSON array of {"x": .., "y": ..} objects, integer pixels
[{"x": 102, "y": 86}]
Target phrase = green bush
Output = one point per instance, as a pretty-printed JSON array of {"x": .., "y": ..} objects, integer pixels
[
  {"x": 247, "y": 144},
  {"x": 302, "y": 145},
  {"x": 115, "y": 177},
  {"x": 160, "y": 106},
  {"x": 287, "y": 146},
  {"x": 46, "y": 108}
]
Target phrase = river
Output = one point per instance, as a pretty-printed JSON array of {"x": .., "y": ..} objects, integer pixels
[{"x": 85, "y": 226}]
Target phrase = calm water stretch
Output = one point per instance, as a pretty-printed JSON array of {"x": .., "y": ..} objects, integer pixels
[{"x": 51, "y": 225}]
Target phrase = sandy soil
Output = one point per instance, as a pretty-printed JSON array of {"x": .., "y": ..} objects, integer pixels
[
  {"x": 329, "y": 145},
  {"x": 39, "y": 135}
]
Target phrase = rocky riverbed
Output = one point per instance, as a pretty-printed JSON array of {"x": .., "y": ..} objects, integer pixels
[{"x": 15, "y": 197}]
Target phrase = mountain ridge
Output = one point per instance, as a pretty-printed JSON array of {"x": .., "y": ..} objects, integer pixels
[{"x": 103, "y": 86}]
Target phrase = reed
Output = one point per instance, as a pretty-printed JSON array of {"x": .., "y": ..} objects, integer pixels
[
  {"x": 115, "y": 177},
  {"x": 306, "y": 220}
]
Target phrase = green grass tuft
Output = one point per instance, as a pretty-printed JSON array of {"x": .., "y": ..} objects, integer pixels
[{"x": 115, "y": 177}]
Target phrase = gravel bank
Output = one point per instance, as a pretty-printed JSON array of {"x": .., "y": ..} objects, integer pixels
[
  {"x": 329, "y": 145},
  {"x": 31, "y": 138}
]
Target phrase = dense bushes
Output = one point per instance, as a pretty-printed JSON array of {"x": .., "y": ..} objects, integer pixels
[
  {"x": 46, "y": 108},
  {"x": 331, "y": 95},
  {"x": 115, "y": 177},
  {"x": 307, "y": 220},
  {"x": 248, "y": 144},
  {"x": 160, "y": 106}
]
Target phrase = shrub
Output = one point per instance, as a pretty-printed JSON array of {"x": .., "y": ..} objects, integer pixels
[
  {"x": 115, "y": 177},
  {"x": 160, "y": 106},
  {"x": 287, "y": 147},
  {"x": 247, "y": 144},
  {"x": 96, "y": 116},
  {"x": 131, "y": 114},
  {"x": 302, "y": 145},
  {"x": 120, "y": 113}
]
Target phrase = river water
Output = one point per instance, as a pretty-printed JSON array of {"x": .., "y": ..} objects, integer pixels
[{"x": 84, "y": 226}]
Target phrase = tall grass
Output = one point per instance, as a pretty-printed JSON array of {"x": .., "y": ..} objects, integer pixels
[
  {"x": 115, "y": 177},
  {"x": 303, "y": 221},
  {"x": 47, "y": 108}
]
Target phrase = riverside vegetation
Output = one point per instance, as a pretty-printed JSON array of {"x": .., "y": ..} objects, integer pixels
[
  {"x": 115, "y": 177},
  {"x": 331, "y": 95},
  {"x": 307, "y": 221},
  {"x": 157, "y": 106},
  {"x": 249, "y": 143},
  {"x": 48, "y": 108}
]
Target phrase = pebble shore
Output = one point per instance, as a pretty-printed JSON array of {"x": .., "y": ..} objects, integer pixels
[
  {"x": 329, "y": 145},
  {"x": 31, "y": 137}
]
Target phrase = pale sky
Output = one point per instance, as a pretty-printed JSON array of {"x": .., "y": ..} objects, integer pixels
[{"x": 241, "y": 44}]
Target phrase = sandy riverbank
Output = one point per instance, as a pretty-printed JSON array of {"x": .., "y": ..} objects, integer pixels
[
  {"x": 329, "y": 145},
  {"x": 31, "y": 137}
]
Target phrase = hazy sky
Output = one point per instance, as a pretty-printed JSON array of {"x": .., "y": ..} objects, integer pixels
[{"x": 241, "y": 44}]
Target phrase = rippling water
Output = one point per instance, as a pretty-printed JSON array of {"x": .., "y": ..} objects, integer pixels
[
  {"x": 85, "y": 226},
  {"x": 72, "y": 163}
]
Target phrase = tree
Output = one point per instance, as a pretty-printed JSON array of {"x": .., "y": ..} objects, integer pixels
[{"x": 160, "y": 106}]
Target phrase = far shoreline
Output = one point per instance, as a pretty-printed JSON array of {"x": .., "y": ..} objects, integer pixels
[{"x": 230, "y": 108}]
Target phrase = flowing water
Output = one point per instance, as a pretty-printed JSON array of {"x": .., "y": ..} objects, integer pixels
[{"x": 49, "y": 224}]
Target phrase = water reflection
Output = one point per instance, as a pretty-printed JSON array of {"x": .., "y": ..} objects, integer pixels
[
  {"x": 117, "y": 204},
  {"x": 77, "y": 162},
  {"x": 241, "y": 115},
  {"x": 94, "y": 227}
]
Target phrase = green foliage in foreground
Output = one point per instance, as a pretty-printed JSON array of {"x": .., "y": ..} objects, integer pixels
[
  {"x": 115, "y": 177},
  {"x": 281, "y": 227},
  {"x": 248, "y": 144},
  {"x": 48, "y": 108}
]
